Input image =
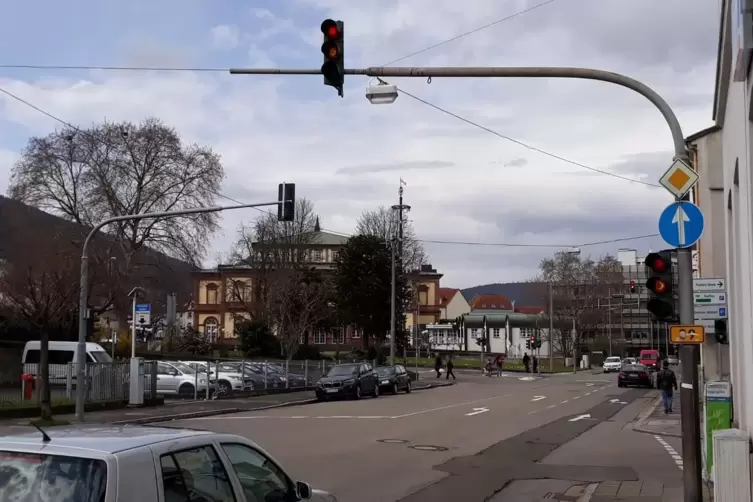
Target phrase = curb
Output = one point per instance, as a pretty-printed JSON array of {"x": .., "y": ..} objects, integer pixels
[
  {"x": 638, "y": 425},
  {"x": 228, "y": 411}
]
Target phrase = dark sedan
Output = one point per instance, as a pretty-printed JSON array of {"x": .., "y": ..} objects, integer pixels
[
  {"x": 394, "y": 379},
  {"x": 634, "y": 375},
  {"x": 348, "y": 380}
]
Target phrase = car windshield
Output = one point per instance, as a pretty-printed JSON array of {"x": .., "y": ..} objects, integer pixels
[
  {"x": 26, "y": 477},
  {"x": 184, "y": 368},
  {"x": 344, "y": 370},
  {"x": 635, "y": 367},
  {"x": 649, "y": 357},
  {"x": 613, "y": 359},
  {"x": 385, "y": 371},
  {"x": 101, "y": 356}
]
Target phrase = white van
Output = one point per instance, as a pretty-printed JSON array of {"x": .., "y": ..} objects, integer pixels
[{"x": 59, "y": 355}]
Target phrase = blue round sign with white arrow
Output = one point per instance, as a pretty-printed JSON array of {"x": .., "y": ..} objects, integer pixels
[{"x": 681, "y": 224}]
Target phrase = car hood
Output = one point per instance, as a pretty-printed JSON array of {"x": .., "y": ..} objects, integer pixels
[{"x": 339, "y": 378}]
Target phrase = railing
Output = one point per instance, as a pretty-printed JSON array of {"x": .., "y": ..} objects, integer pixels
[{"x": 105, "y": 382}]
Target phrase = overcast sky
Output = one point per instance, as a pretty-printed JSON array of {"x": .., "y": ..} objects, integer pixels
[{"x": 464, "y": 183}]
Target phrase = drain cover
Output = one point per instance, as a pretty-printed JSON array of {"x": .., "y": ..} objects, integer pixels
[
  {"x": 426, "y": 447},
  {"x": 393, "y": 441}
]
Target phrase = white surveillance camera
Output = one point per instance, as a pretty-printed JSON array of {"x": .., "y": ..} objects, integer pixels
[{"x": 382, "y": 94}]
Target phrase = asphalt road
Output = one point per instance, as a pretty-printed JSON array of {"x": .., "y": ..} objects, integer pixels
[{"x": 441, "y": 444}]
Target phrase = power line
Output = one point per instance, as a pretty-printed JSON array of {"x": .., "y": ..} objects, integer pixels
[
  {"x": 525, "y": 145},
  {"x": 471, "y": 32}
]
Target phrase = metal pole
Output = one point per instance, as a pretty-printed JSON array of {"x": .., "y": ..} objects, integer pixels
[
  {"x": 551, "y": 328},
  {"x": 83, "y": 313},
  {"x": 392, "y": 306},
  {"x": 133, "y": 326},
  {"x": 609, "y": 322},
  {"x": 575, "y": 347}
]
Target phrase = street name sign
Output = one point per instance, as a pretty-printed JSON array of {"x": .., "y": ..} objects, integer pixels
[
  {"x": 143, "y": 314},
  {"x": 679, "y": 178},
  {"x": 704, "y": 312},
  {"x": 681, "y": 224},
  {"x": 710, "y": 298},
  {"x": 687, "y": 334},
  {"x": 709, "y": 301},
  {"x": 710, "y": 285}
]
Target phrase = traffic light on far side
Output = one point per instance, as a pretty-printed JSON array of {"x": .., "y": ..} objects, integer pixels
[
  {"x": 720, "y": 331},
  {"x": 659, "y": 283},
  {"x": 286, "y": 199},
  {"x": 632, "y": 286},
  {"x": 333, "y": 68}
]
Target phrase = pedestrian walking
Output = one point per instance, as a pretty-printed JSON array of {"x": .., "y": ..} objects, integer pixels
[
  {"x": 535, "y": 364},
  {"x": 450, "y": 365},
  {"x": 438, "y": 365},
  {"x": 500, "y": 364},
  {"x": 666, "y": 382},
  {"x": 527, "y": 362}
]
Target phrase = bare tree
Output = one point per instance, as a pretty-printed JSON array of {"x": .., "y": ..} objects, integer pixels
[
  {"x": 38, "y": 283},
  {"x": 114, "y": 169},
  {"x": 579, "y": 288},
  {"x": 383, "y": 222}
]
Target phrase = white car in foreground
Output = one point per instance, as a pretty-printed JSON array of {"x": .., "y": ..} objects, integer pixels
[
  {"x": 140, "y": 463},
  {"x": 612, "y": 364}
]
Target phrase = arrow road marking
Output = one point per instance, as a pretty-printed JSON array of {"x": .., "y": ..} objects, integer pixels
[
  {"x": 617, "y": 401},
  {"x": 580, "y": 417},
  {"x": 477, "y": 411},
  {"x": 590, "y": 385},
  {"x": 537, "y": 398},
  {"x": 680, "y": 219}
]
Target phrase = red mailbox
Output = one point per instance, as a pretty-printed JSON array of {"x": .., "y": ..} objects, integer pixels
[{"x": 27, "y": 382}]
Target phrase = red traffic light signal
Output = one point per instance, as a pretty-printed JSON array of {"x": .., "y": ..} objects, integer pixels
[
  {"x": 658, "y": 286},
  {"x": 333, "y": 68},
  {"x": 657, "y": 263},
  {"x": 632, "y": 286},
  {"x": 330, "y": 29}
]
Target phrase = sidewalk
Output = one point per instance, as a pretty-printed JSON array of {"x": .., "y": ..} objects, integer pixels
[
  {"x": 183, "y": 409},
  {"x": 656, "y": 422}
]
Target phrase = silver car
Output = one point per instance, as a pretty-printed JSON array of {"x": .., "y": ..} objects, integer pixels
[
  {"x": 105, "y": 463},
  {"x": 175, "y": 378}
]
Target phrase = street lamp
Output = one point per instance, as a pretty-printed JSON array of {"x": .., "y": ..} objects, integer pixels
[{"x": 382, "y": 93}]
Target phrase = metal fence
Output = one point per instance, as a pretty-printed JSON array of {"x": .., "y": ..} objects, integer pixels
[{"x": 107, "y": 381}]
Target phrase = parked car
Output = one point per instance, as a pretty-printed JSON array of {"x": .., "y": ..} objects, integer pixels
[
  {"x": 394, "y": 379},
  {"x": 256, "y": 373},
  {"x": 612, "y": 364},
  {"x": 294, "y": 378},
  {"x": 637, "y": 375},
  {"x": 229, "y": 378},
  {"x": 175, "y": 378},
  {"x": 107, "y": 463},
  {"x": 628, "y": 361},
  {"x": 348, "y": 380},
  {"x": 673, "y": 360}
]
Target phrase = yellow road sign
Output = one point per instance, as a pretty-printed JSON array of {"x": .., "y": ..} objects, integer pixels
[
  {"x": 687, "y": 333},
  {"x": 679, "y": 178}
]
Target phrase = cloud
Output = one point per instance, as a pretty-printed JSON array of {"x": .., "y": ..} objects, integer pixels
[
  {"x": 465, "y": 183},
  {"x": 225, "y": 37}
]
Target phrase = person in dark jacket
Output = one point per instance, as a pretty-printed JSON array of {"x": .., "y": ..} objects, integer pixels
[
  {"x": 527, "y": 362},
  {"x": 438, "y": 365},
  {"x": 535, "y": 364},
  {"x": 450, "y": 365},
  {"x": 666, "y": 382}
]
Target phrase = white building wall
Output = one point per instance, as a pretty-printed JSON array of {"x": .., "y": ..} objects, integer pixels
[{"x": 456, "y": 307}]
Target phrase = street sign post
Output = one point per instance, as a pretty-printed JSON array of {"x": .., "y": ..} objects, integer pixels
[
  {"x": 143, "y": 314},
  {"x": 710, "y": 301},
  {"x": 679, "y": 179},
  {"x": 709, "y": 298},
  {"x": 681, "y": 224},
  {"x": 709, "y": 285},
  {"x": 687, "y": 334}
]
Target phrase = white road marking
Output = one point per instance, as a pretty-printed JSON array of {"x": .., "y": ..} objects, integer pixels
[
  {"x": 477, "y": 411},
  {"x": 580, "y": 417},
  {"x": 532, "y": 412},
  {"x": 295, "y": 417},
  {"x": 537, "y": 398},
  {"x": 577, "y": 397},
  {"x": 450, "y": 406},
  {"x": 672, "y": 452},
  {"x": 590, "y": 384},
  {"x": 617, "y": 401},
  {"x": 551, "y": 406},
  {"x": 565, "y": 401}
]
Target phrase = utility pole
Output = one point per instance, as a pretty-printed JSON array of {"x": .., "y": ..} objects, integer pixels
[
  {"x": 392, "y": 303},
  {"x": 398, "y": 211},
  {"x": 551, "y": 327}
]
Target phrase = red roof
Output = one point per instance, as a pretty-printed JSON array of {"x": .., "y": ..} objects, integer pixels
[
  {"x": 530, "y": 310},
  {"x": 493, "y": 302},
  {"x": 445, "y": 295}
]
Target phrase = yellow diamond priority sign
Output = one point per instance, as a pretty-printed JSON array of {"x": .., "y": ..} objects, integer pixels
[{"x": 679, "y": 178}]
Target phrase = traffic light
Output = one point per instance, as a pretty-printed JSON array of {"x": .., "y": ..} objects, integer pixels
[
  {"x": 532, "y": 342},
  {"x": 632, "y": 286},
  {"x": 333, "y": 67},
  {"x": 659, "y": 283},
  {"x": 720, "y": 331},
  {"x": 286, "y": 199}
]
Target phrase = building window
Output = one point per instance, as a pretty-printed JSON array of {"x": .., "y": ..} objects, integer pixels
[
  {"x": 318, "y": 255},
  {"x": 335, "y": 255},
  {"x": 211, "y": 328},
  {"x": 320, "y": 337},
  {"x": 212, "y": 297},
  {"x": 423, "y": 295},
  {"x": 240, "y": 291},
  {"x": 356, "y": 333},
  {"x": 495, "y": 332},
  {"x": 338, "y": 337}
]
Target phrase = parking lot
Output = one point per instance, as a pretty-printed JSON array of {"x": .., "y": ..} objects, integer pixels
[{"x": 386, "y": 448}]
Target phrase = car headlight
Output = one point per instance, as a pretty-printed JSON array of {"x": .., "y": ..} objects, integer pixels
[
  {"x": 349, "y": 382},
  {"x": 318, "y": 383},
  {"x": 283, "y": 378},
  {"x": 202, "y": 380}
]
